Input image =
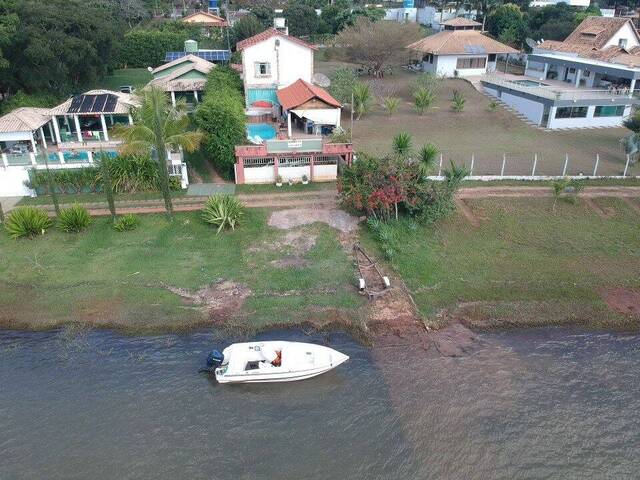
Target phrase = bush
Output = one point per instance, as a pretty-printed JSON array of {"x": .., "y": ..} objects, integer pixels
[
  {"x": 223, "y": 211},
  {"x": 342, "y": 82},
  {"x": 391, "y": 104},
  {"x": 458, "y": 101},
  {"x": 222, "y": 119},
  {"x": 74, "y": 219},
  {"x": 144, "y": 48},
  {"x": 423, "y": 98},
  {"x": 126, "y": 223},
  {"x": 27, "y": 222}
]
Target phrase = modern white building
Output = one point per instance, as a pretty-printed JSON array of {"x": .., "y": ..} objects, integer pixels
[
  {"x": 272, "y": 60},
  {"x": 459, "y": 50},
  {"x": 588, "y": 80}
]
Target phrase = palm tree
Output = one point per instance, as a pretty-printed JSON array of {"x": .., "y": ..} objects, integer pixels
[
  {"x": 427, "y": 158},
  {"x": 402, "y": 145},
  {"x": 158, "y": 127},
  {"x": 454, "y": 175}
]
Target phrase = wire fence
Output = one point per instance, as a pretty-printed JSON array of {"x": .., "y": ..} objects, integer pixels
[{"x": 535, "y": 166}]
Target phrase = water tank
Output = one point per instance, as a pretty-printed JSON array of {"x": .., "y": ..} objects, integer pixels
[
  {"x": 213, "y": 5},
  {"x": 279, "y": 22},
  {"x": 191, "y": 46}
]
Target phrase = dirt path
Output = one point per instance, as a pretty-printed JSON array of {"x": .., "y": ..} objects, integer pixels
[
  {"x": 515, "y": 192},
  {"x": 467, "y": 212}
]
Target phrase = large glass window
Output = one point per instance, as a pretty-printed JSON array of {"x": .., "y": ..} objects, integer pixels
[
  {"x": 263, "y": 69},
  {"x": 609, "y": 111},
  {"x": 572, "y": 112},
  {"x": 471, "y": 62}
]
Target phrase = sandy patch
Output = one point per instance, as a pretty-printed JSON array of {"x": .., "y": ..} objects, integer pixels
[
  {"x": 338, "y": 219},
  {"x": 622, "y": 300},
  {"x": 222, "y": 300}
]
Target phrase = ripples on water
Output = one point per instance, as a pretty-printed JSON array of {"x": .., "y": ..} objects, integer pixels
[{"x": 528, "y": 404}]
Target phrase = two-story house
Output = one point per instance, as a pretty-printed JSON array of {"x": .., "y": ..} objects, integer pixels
[{"x": 273, "y": 60}]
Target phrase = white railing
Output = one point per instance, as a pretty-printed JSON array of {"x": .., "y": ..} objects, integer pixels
[{"x": 555, "y": 93}]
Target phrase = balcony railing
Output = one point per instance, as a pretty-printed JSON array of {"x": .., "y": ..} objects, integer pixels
[{"x": 555, "y": 93}]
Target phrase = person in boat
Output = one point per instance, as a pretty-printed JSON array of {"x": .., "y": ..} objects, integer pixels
[{"x": 272, "y": 357}]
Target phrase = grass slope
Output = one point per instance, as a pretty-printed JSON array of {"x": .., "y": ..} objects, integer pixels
[
  {"x": 105, "y": 278},
  {"x": 524, "y": 265}
]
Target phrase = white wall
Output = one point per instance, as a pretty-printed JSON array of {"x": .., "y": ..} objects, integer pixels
[
  {"x": 259, "y": 175},
  {"x": 292, "y": 62},
  {"x": 589, "y": 121},
  {"x": 294, "y": 173},
  {"x": 446, "y": 65},
  {"x": 529, "y": 108},
  {"x": 15, "y": 136},
  {"x": 401, "y": 14},
  {"x": 12, "y": 182},
  {"x": 323, "y": 116},
  {"x": 625, "y": 32},
  {"x": 322, "y": 173}
]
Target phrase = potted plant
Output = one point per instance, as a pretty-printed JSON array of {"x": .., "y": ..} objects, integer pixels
[
  {"x": 290, "y": 181},
  {"x": 305, "y": 180},
  {"x": 279, "y": 181}
]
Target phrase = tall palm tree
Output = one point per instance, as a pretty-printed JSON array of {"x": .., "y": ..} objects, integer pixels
[{"x": 159, "y": 126}]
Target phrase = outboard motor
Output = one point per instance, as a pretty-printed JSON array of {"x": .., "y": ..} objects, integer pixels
[{"x": 214, "y": 359}]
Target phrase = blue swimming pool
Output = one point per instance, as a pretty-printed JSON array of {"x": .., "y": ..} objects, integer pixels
[{"x": 263, "y": 130}]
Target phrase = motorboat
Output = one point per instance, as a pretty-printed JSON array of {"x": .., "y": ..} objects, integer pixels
[{"x": 272, "y": 361}]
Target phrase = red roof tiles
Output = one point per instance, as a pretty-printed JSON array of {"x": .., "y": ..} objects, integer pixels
[
  {"x": 300, "y": 92},
  {"x": 266, "y": 35}
]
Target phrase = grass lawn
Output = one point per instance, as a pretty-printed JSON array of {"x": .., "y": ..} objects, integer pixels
[
  {"x": 286, "y": 188},
  {"x": 486, "y": 134},
  {"x": 199, "y": 171},
  {"x": 136, "y": 77},
  {"x": 105, "y": 278},
  {"x": 524, "y": 264},
  {"x": 96, "y": 198}
]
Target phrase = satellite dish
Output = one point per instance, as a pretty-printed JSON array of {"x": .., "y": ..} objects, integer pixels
[
  {"x": 531, "y": 42},
  {"x": 321, "y": 80}
]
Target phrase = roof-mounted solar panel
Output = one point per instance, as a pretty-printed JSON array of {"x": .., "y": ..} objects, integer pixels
[
  {"x": 87, "y": 103},
  {"x": 98, "y": 105},
  {"x": 110, "y": 104},
  {"x": 474, "y": 49},
  {"x": 75, "y": 104}
]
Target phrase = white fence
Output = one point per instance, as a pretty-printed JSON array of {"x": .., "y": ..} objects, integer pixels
[{"x": 538, "y": 167}]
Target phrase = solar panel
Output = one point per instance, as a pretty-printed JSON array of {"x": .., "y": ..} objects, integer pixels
[
  {"x": 474, "y": 49},
  {"x": 98, "y": 105},
  {"x": 87, "y": 103},
  {"x": 111, "y": 103},
  {"x": 208, "y": 55},
  {"x": 75, "y": 104}
]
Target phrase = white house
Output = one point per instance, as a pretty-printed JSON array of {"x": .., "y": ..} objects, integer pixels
[
  {"x": 273, "y": 60},
  {"x": 459, "y": 51},
  {"x": 588, "y": 80}
]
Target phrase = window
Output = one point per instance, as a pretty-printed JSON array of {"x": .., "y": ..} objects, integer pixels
[
  {"x": 572, "y": 70},
  {"x": 609, "y": 111},
  {"x": 571, "y": 112},
  {"x": 428, "y": 58},
  {"x": 586, "y": 74},
  {"x": 473, "y": 62},
  {"x": 622, "y": 43},
  {"x": 263, "y": 69},
  {"x": 492, "y": 57}
]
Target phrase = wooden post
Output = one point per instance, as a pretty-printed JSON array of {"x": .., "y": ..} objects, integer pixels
[
  {"x": 535, "y": 162},
  {"x": 566, "y": 164},
  {"x": 626, "y": 166},
  {"x": 595, "y": 168},
  {"x": 440, "y": 167},
  {"x": 504, "y": 161},
  {"x": 473, "y": 159}
]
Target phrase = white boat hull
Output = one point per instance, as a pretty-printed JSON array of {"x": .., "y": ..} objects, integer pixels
[{"x": 245, "y": 362}]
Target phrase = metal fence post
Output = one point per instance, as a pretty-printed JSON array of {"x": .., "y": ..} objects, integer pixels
[
  {"x": 535, "y": 162},
  {"x": 595, "y": 168},
  {"x": 626, "y": 166},
  {"x": 473, "y": 159},
  {"x": 504, "y": 161},
  {"x": 566, "y": 164},
  {"x": 440, "y": 167}
]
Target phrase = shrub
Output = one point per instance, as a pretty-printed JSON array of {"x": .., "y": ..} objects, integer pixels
[
  {"x": 27, "y": 222},
  {"x": 427, "y": 81},
  {"x": 361, "y": 98},
  {"x": 223, "y": 211},
  {"x": 340, "y": 135},
  {"x": 458, "y": 101},
  {"x": 74, "y": 219},
  {"x": 126, "y": 223},
  {"x": 391, "y": 104},
  {"x": 342, "y": 83},
  {"x": 423, "y": 98},
  {"x": 493, "y": 105},
  {"x": 402, "y": 144}
]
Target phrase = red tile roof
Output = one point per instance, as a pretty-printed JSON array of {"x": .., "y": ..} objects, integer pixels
[
  {"x": 266, "y": 35},
  {"x": 301, "y": 92}
]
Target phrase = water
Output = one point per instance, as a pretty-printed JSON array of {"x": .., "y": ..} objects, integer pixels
[
  {"x": 530, "y": 404},
  {"x": 263, "y": 130}
]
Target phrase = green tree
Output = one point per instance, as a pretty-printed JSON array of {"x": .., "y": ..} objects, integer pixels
[
  {"x": 362, "y": 99},
  {"x": 342, "y": 82},
  {"x": 222, "y": 119},
  {"x": 507, "y": 23},
  {"x": 302, "y": 19},
  {"x": 246, "y": 27},
  {"x": 159, "y": 126}
]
